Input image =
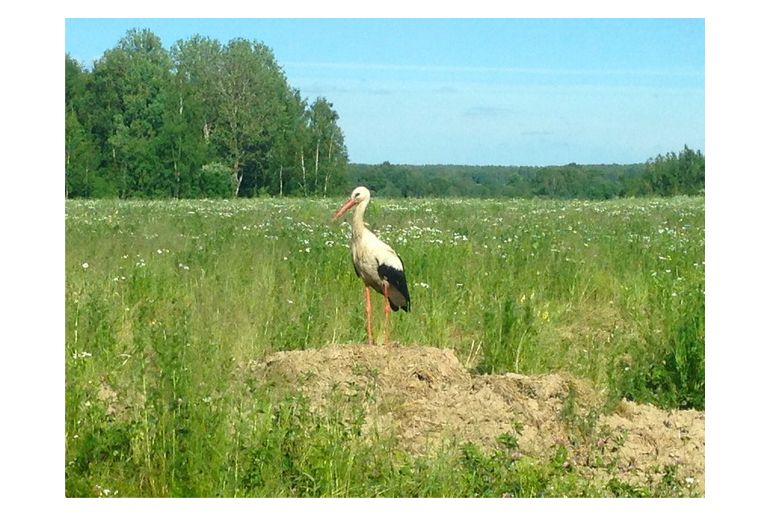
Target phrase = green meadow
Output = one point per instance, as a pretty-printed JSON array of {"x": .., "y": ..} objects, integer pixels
[{"x": 167, "y": 300}]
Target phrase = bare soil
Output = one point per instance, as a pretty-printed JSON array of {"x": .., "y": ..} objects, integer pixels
[{"x": 427, "y": 399}]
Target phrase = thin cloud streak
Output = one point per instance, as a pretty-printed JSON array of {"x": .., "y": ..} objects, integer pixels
[
  {"x": 491, "y": 69},
  {"x": 488, "y": 111}
]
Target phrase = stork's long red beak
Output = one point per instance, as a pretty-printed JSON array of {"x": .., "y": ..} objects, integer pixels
[{"x": 345, "y": 207}]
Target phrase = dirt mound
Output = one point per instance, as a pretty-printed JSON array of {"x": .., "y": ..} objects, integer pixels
[{"x": 426, "y": 398}]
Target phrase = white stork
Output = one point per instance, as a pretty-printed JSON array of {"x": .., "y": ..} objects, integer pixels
[{"x": 375, "y": 262}]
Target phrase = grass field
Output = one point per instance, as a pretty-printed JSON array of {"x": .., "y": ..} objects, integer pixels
[{"x": 165, "y": 300}]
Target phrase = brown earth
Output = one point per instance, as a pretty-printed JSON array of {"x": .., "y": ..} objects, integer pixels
[{"x": 426, "y": 399}]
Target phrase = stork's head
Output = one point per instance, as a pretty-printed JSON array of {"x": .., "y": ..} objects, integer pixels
[{"x": 359, "y": 195}]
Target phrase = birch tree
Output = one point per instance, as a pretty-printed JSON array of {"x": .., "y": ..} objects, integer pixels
[
  {"x": 329, "y": 152},
  {"x": 249, "y": 90}
]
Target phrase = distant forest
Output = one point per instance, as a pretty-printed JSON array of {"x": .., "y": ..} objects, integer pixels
[
  {"x": 680, "y": 173},
  {"x": 206, "y": 119}
]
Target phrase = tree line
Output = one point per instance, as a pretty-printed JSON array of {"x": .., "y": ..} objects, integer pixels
[
  {"x": 206, "y": 119},
  {"x": 680, "y": 173},
  {"x": 202, "y": 119}
]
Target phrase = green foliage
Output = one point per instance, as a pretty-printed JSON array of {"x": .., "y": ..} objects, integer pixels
[
  {"x": 80, "y": 164},
  {"x": 145, "y": 121},
  {"x": 217, "y": 180},
  {"x": 510, "y": 326},
  {"x": 676, "y": 174},
  {"x": 668, "y": 368},
  {"x": 571, "y": 181},
  {"x": 327, "y": 144}
]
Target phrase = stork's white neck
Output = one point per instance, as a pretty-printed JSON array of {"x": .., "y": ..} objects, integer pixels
[{"x": 358, "y": 219}]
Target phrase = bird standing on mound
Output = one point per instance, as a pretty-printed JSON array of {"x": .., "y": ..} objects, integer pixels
[{"x": 375, "y": 262}]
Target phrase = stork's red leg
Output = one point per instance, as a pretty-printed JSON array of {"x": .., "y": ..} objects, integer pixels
[
  {"x": 368, "y": 307},
  {"x": 387, "y": 313}
]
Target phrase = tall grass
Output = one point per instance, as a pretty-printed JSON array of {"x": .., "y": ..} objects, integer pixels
[{"x": 166, "y": 300}]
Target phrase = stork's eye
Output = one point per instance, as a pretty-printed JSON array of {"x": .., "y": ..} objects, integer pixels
[{"x": 357, "y": 194}]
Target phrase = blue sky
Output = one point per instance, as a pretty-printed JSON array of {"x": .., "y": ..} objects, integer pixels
[{"x": 476, "y": 91}]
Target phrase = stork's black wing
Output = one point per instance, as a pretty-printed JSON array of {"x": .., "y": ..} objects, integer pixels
[{"x": 397, "y": 280}]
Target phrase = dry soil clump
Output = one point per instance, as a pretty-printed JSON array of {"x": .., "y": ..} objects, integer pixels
[{"x": 426, "y": 399}]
